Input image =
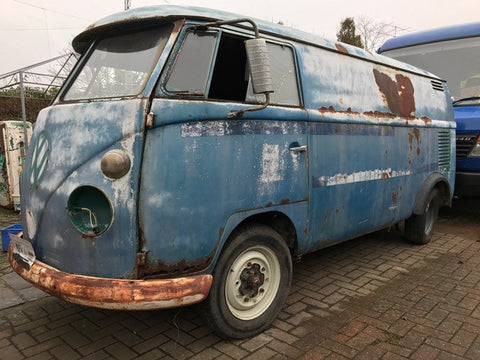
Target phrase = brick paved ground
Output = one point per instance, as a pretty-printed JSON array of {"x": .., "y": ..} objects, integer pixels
[{"x": 375, "y": 297}]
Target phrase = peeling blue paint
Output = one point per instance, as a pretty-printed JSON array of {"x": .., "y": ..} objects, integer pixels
[{"x": 350, "y": 158}]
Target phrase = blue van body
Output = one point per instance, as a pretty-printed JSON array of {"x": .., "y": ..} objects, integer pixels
[
  {"x": 140, "y": 200},
  {"x": 461, "y": 67}
]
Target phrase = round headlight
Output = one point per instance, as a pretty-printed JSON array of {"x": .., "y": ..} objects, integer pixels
[{"x": 115, "y": 164}]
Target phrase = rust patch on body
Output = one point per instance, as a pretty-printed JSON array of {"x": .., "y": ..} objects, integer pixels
[
  {"x": 416, "y": 132},
  {"x": 410, "y": 138},
  {"x": 161, "y": 269},
  {"x": 284, "y": 201},
  {"x": 397, "y": 94},
  {"x": 379, "y": 114},
  {"x": 120, "y": 294},
  {"x": 331, "y": 109},
  {"x": 341, "y": 48},
  {"x": 414, "y": 139},
  {"x": 375, "y": 114},
  {"x": 324, "y": 109}
]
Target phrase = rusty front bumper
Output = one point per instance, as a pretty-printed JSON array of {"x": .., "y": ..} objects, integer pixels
[{"x": 116, "y": 294}]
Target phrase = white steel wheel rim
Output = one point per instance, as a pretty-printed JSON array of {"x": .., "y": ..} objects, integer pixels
[{"x": 245, "y": 307}]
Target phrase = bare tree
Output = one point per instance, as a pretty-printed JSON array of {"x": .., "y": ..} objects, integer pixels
[{"x": 375, "y": 33}]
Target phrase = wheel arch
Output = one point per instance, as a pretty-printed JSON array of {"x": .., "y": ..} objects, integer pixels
[
  {"x": 434, "y": 180},
  {"x": 286, "y": 221},
  {"x": 276, "y": 220}
]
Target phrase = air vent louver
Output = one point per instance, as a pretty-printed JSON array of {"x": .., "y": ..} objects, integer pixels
[
  {"x": 444, "y": 150},
  {"x": 437, "y": 85}
]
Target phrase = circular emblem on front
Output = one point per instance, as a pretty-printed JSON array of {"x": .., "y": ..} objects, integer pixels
[{"x": 39, "y": 158}]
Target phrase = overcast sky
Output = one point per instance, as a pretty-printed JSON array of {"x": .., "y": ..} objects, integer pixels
[{"x": 35, "y": 30}]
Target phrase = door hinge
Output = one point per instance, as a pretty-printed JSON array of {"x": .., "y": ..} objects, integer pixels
[{"x": 150, "y": 118}]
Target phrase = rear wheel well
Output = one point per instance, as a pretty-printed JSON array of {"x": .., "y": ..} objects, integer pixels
[
  {"x": 444, "y": 193},
  {"x": 278, "y": 221},
  {"x": 434, "y": 181}
]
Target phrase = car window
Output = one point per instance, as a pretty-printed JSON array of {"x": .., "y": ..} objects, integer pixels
[
  {"x": 119, "y": 66},
  {"x": 224, "y": 74}
]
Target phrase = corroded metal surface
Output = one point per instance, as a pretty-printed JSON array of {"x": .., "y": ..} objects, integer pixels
[
  {"x": 398, "y": 93},
  {"x": 115, "y": 293},
  {"x": 361, "y": 127}
]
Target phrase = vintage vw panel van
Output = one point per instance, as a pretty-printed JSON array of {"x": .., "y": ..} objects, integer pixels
[{"x": 192, "y": 154}]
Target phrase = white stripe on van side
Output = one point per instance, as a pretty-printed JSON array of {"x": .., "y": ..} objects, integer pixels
[{"x": 368, "y": 175}]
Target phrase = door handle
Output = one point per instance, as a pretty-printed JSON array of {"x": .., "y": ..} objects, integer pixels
[{"x": 302, "y": 148}]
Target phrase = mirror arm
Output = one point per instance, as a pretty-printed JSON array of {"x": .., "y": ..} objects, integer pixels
[
  {"x": 257, "y": 58},
  {"x": 235, "y": 113},
  {"x": 227, "y": 22}
]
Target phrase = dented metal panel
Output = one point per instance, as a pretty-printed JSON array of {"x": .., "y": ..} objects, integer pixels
[{"x": 116, "y": 294}]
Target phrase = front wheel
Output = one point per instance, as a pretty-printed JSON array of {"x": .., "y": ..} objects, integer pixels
[
  {"x": 250, "y": 283},
  {"x": 419, "y": 228}
]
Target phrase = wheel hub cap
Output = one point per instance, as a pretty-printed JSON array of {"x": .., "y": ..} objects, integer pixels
[{"x": 251, "y": 280}]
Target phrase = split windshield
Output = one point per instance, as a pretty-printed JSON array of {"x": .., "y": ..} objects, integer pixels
[{"x": 119, "y": 66}]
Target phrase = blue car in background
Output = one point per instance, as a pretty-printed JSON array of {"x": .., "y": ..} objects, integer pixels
[{"x": 451, "y": 53}]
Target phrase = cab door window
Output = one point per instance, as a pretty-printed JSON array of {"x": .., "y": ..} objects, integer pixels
[
  {"x": 214, "y": 66},
  {"x": 284, "y": 77}
]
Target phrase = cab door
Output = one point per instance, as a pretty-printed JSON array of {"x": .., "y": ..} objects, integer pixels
[{"x": 202, "y": 163}]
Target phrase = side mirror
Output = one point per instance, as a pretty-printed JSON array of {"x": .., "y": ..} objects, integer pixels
[
  {"x": 259, "y": 65},
  {"x": 257, "y": 57}
]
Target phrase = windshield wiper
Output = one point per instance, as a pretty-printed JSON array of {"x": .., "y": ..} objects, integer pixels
[{"x": 470, "y": 98}]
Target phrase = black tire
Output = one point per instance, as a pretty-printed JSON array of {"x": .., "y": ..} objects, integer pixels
[
  {"x": 419, "y": 228},
  {"x": 250, "y": 283}
]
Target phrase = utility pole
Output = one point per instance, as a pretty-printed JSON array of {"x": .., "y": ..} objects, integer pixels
[{"x": 127, "y": 4}]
